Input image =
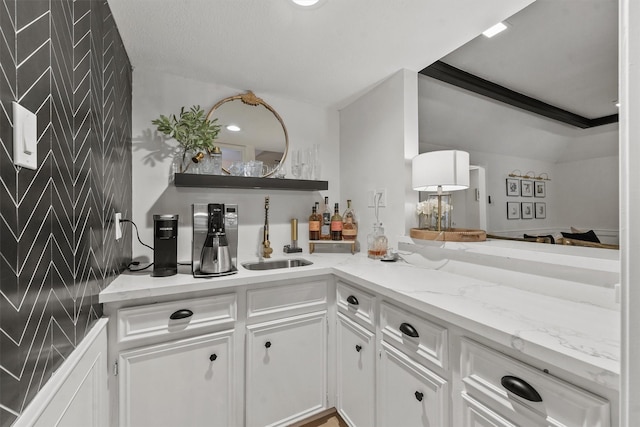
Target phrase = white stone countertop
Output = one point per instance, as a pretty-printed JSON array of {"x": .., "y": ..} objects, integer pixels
[{"x": 580, "y": 338}]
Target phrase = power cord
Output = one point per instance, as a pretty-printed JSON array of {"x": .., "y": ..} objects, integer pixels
[
  {"x": 137, "y": 233},
  {"x": 142, "y": 243}
]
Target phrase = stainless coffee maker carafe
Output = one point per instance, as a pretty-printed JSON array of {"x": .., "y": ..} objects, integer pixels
[{"x": 215, "y": 239}]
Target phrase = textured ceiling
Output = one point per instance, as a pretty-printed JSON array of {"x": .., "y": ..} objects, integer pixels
[{"x": 325, "y": 55}]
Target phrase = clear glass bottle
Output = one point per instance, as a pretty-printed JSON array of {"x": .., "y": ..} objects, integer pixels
[
  {"x": 336, "y": 224},
  {"x": 314, "y": 224},
  {"x": 325, "y": 227},
  {"x": 349, "y": 223},
  {"x": 377, "y": 242}
]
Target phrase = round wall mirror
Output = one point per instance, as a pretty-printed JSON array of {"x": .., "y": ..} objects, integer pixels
[{"x": 250, "y": 130}]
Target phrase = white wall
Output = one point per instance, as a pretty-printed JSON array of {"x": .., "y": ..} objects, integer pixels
[
  {"x": 590, "y": 197},
  {"x": 155, "y": 93},
  {"x": 378, "y": 139}
]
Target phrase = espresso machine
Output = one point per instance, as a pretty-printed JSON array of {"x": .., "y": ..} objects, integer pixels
[{"x": 215, "y": 239}]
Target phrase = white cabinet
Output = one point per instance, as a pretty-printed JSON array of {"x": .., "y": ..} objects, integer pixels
[
  {"x": 186, "y": 382},
  {"x": 286, "y": 376},
  {"x": 410, "y": 394},
  {"x": 355, "y": 376},
  {"x": 174, "y": 363},
  {"x": 286, "y": 369},
  {"x": 477, "y": 415},
  {"x": 500, "y": 388}
]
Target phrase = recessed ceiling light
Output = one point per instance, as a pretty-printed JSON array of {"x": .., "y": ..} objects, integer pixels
[
  {"x": 498, "y": 28},
  {"x": 305, "y": 3},
  {"x": 233, "y": 128}
]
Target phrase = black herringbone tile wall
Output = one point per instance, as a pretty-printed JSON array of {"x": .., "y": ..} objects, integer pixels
[{"x": 63, "y": 60}]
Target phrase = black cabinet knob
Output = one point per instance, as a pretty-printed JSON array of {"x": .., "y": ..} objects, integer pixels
[
  {"x": 409, "y": 330},
  {"x": 352, "y": 300},
  {"x": 267, "y": 344},
  {"x": 181, "y": 314},
  {"x": 419, "y": 396},
  {"x": 213, "y": 357},
  {"x": 521, "y": 388},
  {"x": 358, "y": 348}
]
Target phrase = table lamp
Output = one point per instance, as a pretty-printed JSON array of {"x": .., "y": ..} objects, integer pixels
[{"x": 440, "y": 171}]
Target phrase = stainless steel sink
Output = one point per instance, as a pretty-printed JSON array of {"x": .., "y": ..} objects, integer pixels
[{"x": 276, "y": 263}]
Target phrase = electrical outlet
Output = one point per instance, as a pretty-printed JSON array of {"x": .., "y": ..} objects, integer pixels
[{"x": 118, "y": 227}]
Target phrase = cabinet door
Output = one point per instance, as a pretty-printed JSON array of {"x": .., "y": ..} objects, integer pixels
[
  {"x": 181, "y": 383},
  {"x": 410, "y": 394},
  {"x": 477, "y": 415},
  {"x": 286, "y": 369},
  {"x": 355, "y": 373}
]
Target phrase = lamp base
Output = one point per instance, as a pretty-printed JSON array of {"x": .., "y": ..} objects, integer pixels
[{"x": 451, "y": 235}]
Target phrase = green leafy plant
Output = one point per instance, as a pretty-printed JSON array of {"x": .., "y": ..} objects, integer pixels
[{"x": 191, "y": 128}]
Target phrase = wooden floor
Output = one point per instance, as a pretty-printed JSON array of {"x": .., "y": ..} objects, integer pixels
[{"x": 328, "y": 418}]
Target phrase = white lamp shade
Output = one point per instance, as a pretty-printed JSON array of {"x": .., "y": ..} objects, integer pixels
[{"x": 448, "y": 169}]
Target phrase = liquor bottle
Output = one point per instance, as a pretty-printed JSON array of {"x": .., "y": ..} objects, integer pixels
[
  {"x": 349, "y": 223},
  {"x": 325, "y": 227},
  {"x": 314, "y": 224},
  {"x": 336, "y": 224}
]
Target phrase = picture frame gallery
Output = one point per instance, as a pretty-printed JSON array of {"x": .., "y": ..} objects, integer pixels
[{"x": 524, "y": 209}]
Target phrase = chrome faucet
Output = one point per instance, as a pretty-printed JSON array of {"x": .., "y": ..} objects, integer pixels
[{"x": 266, "y": 245}]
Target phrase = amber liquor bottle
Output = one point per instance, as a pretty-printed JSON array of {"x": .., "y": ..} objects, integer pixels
[
  {"x": 314, "y": 224},
  {"x": 336, "y": 224},
  {"x": 349, "y": 223},
  {"x": 325, "y": 227}
]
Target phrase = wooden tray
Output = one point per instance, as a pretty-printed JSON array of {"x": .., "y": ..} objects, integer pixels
[{"x": 452, "y": 235}]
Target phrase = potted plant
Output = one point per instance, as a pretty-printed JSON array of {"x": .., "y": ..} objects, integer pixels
[{"x": 193, "y": 131}]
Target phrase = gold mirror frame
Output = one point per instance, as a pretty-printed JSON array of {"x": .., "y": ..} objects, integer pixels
[{"x": 251, "y": 99}]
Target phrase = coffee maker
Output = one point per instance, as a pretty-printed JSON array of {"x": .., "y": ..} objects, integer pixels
[
  {"x": 215, "y": 239},
  {"x": 165, "y": 245}
]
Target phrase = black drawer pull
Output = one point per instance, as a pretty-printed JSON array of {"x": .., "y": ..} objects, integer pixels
[
  {"x": 213, "y": 357},
  {"x": 419, "y": 396},
  {"x": 181, "y": 314},
  {"x": 358, "y": 348},
  {"x": 267, "y": 344},
  {"x": 520, "y": 388},
  {"x": 352, "y": 300},
  {"x": 409, "y": 330}
]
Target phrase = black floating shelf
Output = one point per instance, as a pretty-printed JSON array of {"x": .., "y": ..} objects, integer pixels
[{"x": 228, "y": 181}]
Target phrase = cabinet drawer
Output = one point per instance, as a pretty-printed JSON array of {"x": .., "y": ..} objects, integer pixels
[
  {"x": 483, "y": 372},
  {"x": 271, "y": 302},
  {"x": 415, "y": 336},
  {"x": 356, "y": 304},
  {"x": 155, "y": 320}
]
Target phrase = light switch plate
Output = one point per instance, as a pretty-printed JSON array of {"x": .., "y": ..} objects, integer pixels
[{"x": 25, "y": 137}]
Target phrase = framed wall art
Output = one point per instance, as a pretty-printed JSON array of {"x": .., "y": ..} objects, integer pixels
[
  {"x": 527, "y": 210},
  {"x": 541, "y": 210},
  {"x": 513, "y": 187},
  {"x": 539, "y": 189},
  {"x": 513, "y": 210},
  {"x": 526, "y": 188}
]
